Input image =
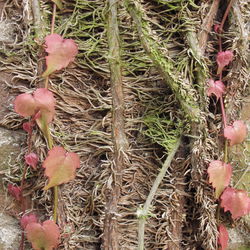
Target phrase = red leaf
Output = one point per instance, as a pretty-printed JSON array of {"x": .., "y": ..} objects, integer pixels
[
  {"x": 27, "y": 126},
  {"x": 15, "y": 191},
  {"x": 61, "y": 53},
  {"x": 41, "y": 103},
  {"x": 223, "y": 59},
  {"x": 25, "y": 105},
  {"x": 60, "y": 166},
  {"x": 236, "y": 201},
  {"x": 26, "y": 219},
  {"x": 219, "y": 175},
  {"x": 215, "y": 87},
  {"x": 45, "y": 236},
  {"x": 223, "y": 237},
  {"x": 236, "y": 133},
  {"x": 32, "y": 160}
]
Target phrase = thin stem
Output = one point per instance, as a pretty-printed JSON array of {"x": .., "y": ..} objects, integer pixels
[
  {"x": 21, "y": 247},
  {"x": 224, "y": 118},
  {"x": 46, "y": 83},
  {"x": 220, "y": 43},
  {"x": 226, "y": 151},
  {"x": 53, "y": 19},
  {"x": 55, "y": 203},
  {"x": 225, "y": 15},
  {"x": 144, "y": 212},
  {"x": 22, "y": 187}
]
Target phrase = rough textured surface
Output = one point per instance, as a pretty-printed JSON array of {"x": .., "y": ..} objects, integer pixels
[
  {"x": 184, "y": 208},
  {"x": 7, "y": 30},
  {"x": 9, "y": 149},
  {"x": 9, "y": 233}
]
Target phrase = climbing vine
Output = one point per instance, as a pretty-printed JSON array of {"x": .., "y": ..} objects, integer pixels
[{"x": 60, "y": 166}]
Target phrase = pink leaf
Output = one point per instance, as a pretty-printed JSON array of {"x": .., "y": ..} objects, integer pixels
[
  {"x": 223, "y": 237},
  {"x": 45, "y": 236},
  {"x": 223, "y": 59},
  {"x": 27, "y": 126},
  {"x": 61, "y": 53},
  {"x": 236, "y": 201},
  {"x": 215, "y": 87},
  {"x": 25, "y": 105},
  {"x": 236, "y": 133},
  {"x": 219, "y": 175},
  {"x": 26, "y": 219},
  {"x": 32, "y": 160},
  {"x": 15, "y": 191},
  {"x": 40, "y": 104},
  {"x": 60, "y": 166},
  {"x": 46, "y": 103}
]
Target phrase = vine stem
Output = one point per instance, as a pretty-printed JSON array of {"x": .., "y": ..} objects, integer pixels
[
  {"x": 225, "y": 15},
  {"x": 119, "y": 139},
  {"x": 224, "y": 118},
  {"x": 46, "y": 128},
  {"x": 55, "y": 203},
  {"x": 143, "y": 213},
  {"x": 53, "y": 19}
]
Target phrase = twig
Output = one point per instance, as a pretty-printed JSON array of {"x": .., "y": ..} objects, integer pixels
[
  {"x": 207, "y": 25},
  {"x": 39, "y": 28},
  {"x": 144, "y": 212},
  {"x": 225, "y": 15},
  {"x": 110, "y": 236}
]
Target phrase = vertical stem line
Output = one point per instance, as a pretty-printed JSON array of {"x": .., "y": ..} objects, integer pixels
[
  {"x": 225, "y": 15},
  {"x": 111, "y": 235},
  {"x": 53, "y": 19},
  {"x": 144, "y": 212},
  {"x": 55, "y": 203},
  {"x": 224, "y": 118}
]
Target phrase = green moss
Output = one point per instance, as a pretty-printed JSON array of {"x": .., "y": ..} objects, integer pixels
[{"x": 162, "y": 131}]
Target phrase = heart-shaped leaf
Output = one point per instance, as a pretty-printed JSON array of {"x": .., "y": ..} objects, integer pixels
[
  {"x": 43, "y": 237},
  {"x": 219, "y": 175},
  {"x": 46, "y": 103},
  {"x": 223, "y": 59},
  {"x": 41, "y": 103},
  {"x": 25, "y": 105},
  {"x": 236, "y": 133},
  {"x": 60, "y": 166},
  {"x": 223, "y": 237},
  {"x": 26, "y": 219},
  {"x": 236, "y": 201},
  {"x": 61, "y": 53},
  {"x": 215, "y": 87}
]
